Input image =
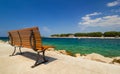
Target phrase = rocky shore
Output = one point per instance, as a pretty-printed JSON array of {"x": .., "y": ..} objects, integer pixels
[
  {"x": 92, "y": 56},
  {"x": 60, "y": 62}
]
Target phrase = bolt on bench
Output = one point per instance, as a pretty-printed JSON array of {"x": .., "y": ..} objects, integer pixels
[{"x": 28, "y": 38}]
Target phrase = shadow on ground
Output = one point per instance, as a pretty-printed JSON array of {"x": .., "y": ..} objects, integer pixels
[{"x": 33, "y": 56}]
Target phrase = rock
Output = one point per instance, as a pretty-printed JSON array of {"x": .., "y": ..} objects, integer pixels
[
  {"x": 7, "y": 42},
  {"x": 65, "y": 52},
  {"x": 51, "y": 49},
  {"x": 98, "y": 57},
  {"x": 1, "y": 41},
  {"x": 57, "y": 52},
  {"x": 62, "y": 51},
  {"x": 116, "y": 60},
  {"x": 77, "y": 55}
]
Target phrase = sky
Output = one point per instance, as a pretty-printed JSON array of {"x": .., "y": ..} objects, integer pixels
[{"x": 60, "y": 16}]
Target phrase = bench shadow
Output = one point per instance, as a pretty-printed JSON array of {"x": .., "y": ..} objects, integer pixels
[{"x": 33, "y": 56}]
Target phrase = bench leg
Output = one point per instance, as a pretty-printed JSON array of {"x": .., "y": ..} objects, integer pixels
[
  {"x": 20, "y": 50},
  {"x": 44, "y": 57},
  {"x": 13, "y": 51},
  {"x": 38, "y": 58}
]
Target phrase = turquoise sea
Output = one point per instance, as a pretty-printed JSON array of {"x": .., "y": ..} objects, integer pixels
[{"x": 106, "y": 47}]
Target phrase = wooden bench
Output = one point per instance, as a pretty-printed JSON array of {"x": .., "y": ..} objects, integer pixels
[{"x": 28, "y": 38}]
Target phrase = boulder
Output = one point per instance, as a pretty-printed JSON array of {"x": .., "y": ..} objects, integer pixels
[
  {"x": 98, "y": 57},
  {"x": 51, "y": 49},
  {"x": 63, "y": 51},
  {"x": 116, "y": 60},
  {"x": 77, "y": 55},
  {"x": 1, "y": 41}
]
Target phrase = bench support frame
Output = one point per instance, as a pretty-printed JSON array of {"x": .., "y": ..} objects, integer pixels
[
  {"x": 15, "y": 47},
  {"x": 38, "y": 58},
  {"x": 33, "y": 46}
]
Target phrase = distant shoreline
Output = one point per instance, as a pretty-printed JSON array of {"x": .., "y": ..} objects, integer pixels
[
  {"x": 88, "y": 37},
  {"x": 81, "y": 37}
]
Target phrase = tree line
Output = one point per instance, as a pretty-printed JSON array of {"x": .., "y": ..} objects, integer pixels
[{"x": 90, "y": 34}]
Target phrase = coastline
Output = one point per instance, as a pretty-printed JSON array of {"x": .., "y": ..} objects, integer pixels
[
  {"x": 57, "y": 64},
  {"x": 88, "y": 37},
  {"x": 92, "y": 56}
]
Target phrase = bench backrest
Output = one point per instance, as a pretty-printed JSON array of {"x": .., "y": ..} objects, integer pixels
[
  {"x": 14, "y": 38},
  {"x": 28, "y": 37}
]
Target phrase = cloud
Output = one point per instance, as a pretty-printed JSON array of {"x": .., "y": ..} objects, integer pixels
[
  {"x": 95, "y": 13},
  {"x": 86, "y": 20},
  {"x": 46, "y": 29},
  {"x": 105, "y": 21},
  {"x": 114, "y": 3},
  {"x": 115, "y": 10}
]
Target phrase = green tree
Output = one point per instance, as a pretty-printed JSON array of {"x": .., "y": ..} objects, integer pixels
[
  {"x": 55, "y": 35},
  {"x": 95, "y": 34},
  {"x": 80, "y": 34},
  {"x": 119, "y": 34},
  {"x": 111, "y": 34}
]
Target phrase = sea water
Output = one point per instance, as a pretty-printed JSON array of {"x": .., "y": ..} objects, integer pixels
[{"x": 106, "y": 47}]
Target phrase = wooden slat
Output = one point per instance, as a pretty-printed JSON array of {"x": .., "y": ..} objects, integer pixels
[
  {"x": 15, "y": 38},
  {"x": 26, "y": 35}
]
